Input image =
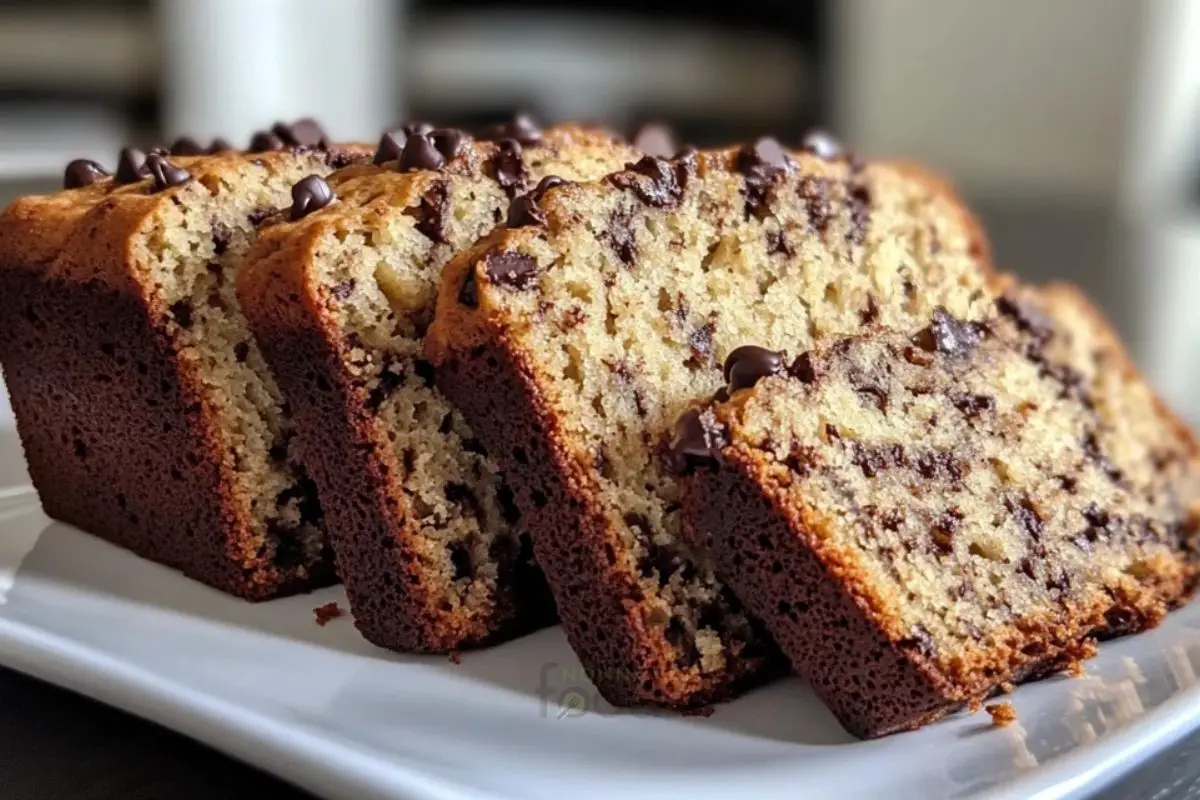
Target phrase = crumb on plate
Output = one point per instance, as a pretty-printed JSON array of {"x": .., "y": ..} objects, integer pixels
[
  {"x": 1003, "y": 714},
  {"x": 327, "y": 612}
]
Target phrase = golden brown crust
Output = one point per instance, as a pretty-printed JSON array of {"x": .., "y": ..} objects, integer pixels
[{"x": 108, "y": 400}]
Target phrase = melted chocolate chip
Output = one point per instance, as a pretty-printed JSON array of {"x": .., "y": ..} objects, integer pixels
[
  {"x": 165, "y": 173},
  {"x": 186, "y": 146},
  {"x": 524, "y": 211},
  {"x": 621, "y": 237},
  {"x": 301, "y": 133},
  {"x": 858, "y": 199},
  {"x": 761, "y": 164},
  {"x": 511, "y": 270},
  {"x": 265, "y": 142},
  {"x": 131, "y": 166},
  {"x": 873, "y": 459},
  {"x": 777, "y": 242},
  {"x": 655, "y": 139},
  {"x": 945, "y": 528},
  {"x": 1091, "y": 448},
  {"x": 508, "y": 166},
  {"x": 343, "y": 290},
  {"x": 701, "y": 345},
  {"x": 821, "y": 144},
  {"x": 949, "y": 335},
  {"x": 521, "y": 128},
  {"x": 699, "y": 437},
  {"x": 419, "y": 153},
  {"x": 665, "y": 187},
  {"x": 391, "y": 145},
  {"x": 448, "y": 141},
  {"x": 1027, "y": 517},
  {"x": 309, "y": 195},
  {"x": 1026, "y": 316},
  {"x": 431, "y": 213},
  {"x": 940, "y": 466},
  {"x": 749, "y": 364},
  {"x": 972, "y": 405},
  {"x": 82, "y": 172},
  {"x": 802, "y": 368},
  {"x": 815, "y": 194}
]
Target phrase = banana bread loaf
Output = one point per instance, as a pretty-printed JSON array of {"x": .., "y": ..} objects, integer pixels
[
  {"x": 428, "y": 541},
  {"x": 574, "y": 338},
  {"x": 919, "y": 519},
  {"x": 147, "y": 414}
]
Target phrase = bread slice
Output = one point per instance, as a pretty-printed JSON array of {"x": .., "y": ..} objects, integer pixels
[
  {"x": 427, "y": 539},
  {"x": 920, "y": 520},
  {"x": 574, "y": 338},
  {"x": 1147, "y": 443},
  {"x": 147, "y": 414}
]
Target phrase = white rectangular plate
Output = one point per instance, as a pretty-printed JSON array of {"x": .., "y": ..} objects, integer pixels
[{"x": 324, "y": 709}]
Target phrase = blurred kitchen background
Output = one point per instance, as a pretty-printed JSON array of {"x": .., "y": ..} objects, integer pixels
[{"x": 1070, "y": 125}]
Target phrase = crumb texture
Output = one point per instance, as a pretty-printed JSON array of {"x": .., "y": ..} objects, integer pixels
[{"x": 620, "y": 310}]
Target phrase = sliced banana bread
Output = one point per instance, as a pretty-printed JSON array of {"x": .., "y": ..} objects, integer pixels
[
  {"x": 427, "y": 538},
  {"x": 574, "y": 338},
  {"x": 1146, "y": 443},
  {"x": 147, "y": 414},
  {"x": 920, "y": 519}
]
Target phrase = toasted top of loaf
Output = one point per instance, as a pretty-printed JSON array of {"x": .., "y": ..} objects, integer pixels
[
  {"x": 952, "y": 485},
  {"x": 97, "y": 231}
]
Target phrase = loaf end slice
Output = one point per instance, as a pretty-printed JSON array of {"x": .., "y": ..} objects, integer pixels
[{"x": 920, "y": 520}]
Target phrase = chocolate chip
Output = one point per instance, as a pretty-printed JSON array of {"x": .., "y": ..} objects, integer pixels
[
  {"x": 265, "y": 142},
  {"x": 777, "y": 242},
  {"x": 945, "y": 528},
  {"x": 344, "y": 289},
  {"x": 546, "y": 184},
  {"x": 821, "y": 145},
  {"x": 701, "y": 345},
  {"x": 521, "y": 127},
  {"x": 621, "y": 236},
  {"x": 940, "y": 466},
  {"x": 949, "y": 335},
  {"x": 655, "y": 139},
  {"x": 802, "y": 368},
  {"x": 870, "y": 314},
  {"x": 1025, "y": 565},
  {"x": 699, "y": 437},
  {"x": 301, "y": 133},
  {"x": 665, "y": 187},
  {"x": 448, "y": 141},
  {"x": 131, "y": 166},
  {"x": 815, "y": 194},
  {"x": 873, "y": 459},
  {"x": 1091, "y": 448},
  {"x": 468, "y": 293},
  {"x": 419, "y": 153},
  {"x": 309, "y": 195},
  {"x": 431, "y": 213},
  {"x": 508, "y": 166},
  {"x": 524, "y": 211},
  {"x": 1026, "y": 316},
  {"x": 220, "y": 145},
  {"x": 859, "y": 201},
  {"x": 256, "y": 216},
  {"x": 511, "y": 270},
  {"x": 749, "y": 364},
  {"x": 761, "y": 164},
  {"x": 391, "y": 145},
  {"x": 82, "y": 172},
  {"x": 186, "y": 146},
  {"x": 972, "y": 405},
  {"x": 1027, "y": 517},
  {"x": 165, "y": 173}
]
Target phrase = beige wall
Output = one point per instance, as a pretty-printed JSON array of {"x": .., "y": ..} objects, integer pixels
[{"x": 1016, "y": 96}]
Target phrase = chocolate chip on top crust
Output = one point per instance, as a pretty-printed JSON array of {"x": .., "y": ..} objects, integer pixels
[
  {"x": 83, "y": 172},
  {"x": 450, "y": 142},
  {"x": 131, "y": 166},
  {"x": 165, "y": 173},
  {"x": 220, "y": 145},
  {"x": 508, "y": 165},
  {"x": 524, "y": 210},
  {"x": 821, "y": 144},
  {"x": 186, "y": 146},
  {"x": 749, "y": 364},
  {"x": 666, "y": 184},
  {"x": 655, "y": 139},
  {"x": 762, "y": 164},
  {"x": 522, "y": 128},
  {"x": 304, "y": 132},
  {"x": 420, "y": 153},
  {"x": 391, "y": 145},
  {"x": 310, "y": 194},
  {"x": 265, "y": 142}
]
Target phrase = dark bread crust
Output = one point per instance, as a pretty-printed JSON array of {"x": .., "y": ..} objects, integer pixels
[
  {"x": 372, "y": 535},
  {"x": 869, "y": 684},
  {"x": 110, "y": 407},
  {"x": 496, "y": 391}
]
